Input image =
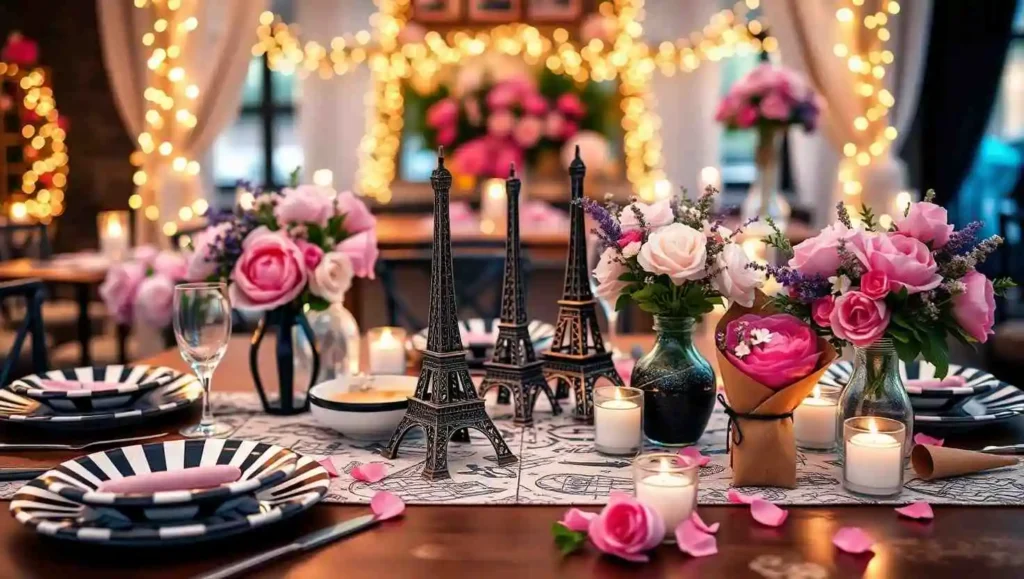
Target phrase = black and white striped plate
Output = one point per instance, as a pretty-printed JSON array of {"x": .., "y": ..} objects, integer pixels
[
  {"x": 977, "y": 381},
  {"x": 478, "y": 336},
  {"x": 1003, "y": 403},
  {"x": 261, "y": 465},
  {"x": 133, "y": 382},
  {"x": 18, "y": 409},
  {"x": 53, "y": 515}
]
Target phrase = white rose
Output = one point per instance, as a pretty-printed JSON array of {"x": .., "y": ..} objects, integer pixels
[
  {"x": 607, "y": 273},
  {"x": 676, "y": 250},
  {"x": 631, "y": 249},
  {"x": 735, "y": 280},
  {"x": 656, "y": 215},
  {"x": 332, "y": 278}
]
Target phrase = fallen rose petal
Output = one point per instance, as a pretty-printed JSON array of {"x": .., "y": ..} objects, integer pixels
[
  {"x": 386, "y": 506},
  {"x": 328, "y": 465},
  {"x": 700, "y": 524},
  {"x": 853, "y": 540},
  {"x": 737, "y": 498},
  {"x": 695, "y": 542},
  {"x": 767, "y": 513},
  {"x": 371, "y": 472},
  {"x": 918, "y": 510},
  {"x": 693, "y": 453},
  {"x": 922, "y": 438},
  {"x": 577, "y": 520}
]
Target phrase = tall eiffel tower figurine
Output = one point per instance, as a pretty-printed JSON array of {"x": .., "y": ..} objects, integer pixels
[
  {"x": 577, "y": 357},
  {"x": 445, "y": 401},
  {"x": 514, "y": 365}
]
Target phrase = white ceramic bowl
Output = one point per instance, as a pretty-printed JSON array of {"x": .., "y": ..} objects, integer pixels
[{"x": 364, "y": 410}]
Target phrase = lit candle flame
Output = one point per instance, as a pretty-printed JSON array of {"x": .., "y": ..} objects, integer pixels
[
  {"x": 816, "y": 393},
  {"x": 618, "y": 394},
  {"x": 664, "y": 465},
  {"x": 872, "y": 427},
  {"x": 387, "y": 339}
]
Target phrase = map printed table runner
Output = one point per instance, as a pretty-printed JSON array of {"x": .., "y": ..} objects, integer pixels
[{"x": 558, "y": 466}]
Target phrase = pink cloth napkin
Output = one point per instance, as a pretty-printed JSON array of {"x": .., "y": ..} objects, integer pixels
[
  {"x": 68, "y": 385},
  {"x": 200, "y": 477},
  {"x": 934, "y": 383}
]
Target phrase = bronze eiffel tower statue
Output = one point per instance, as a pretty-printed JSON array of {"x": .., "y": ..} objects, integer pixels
[
  {"x": 514, "y": 366},
  {"x": 446, "y": 401},
  {"x": 577, "y": 358}
]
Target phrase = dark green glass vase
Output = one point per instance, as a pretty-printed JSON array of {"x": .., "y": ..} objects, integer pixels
[{"x": 678, "y": 385}]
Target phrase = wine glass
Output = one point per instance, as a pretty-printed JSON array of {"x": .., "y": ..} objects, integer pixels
[
  {"x": 594, "y": 250},
  {"x": 202, "y": 326}
]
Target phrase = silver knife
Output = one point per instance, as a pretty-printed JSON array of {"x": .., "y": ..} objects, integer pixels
[
  {"x": 304, "y": 543},
  {"x": 1008, "y": 449}
]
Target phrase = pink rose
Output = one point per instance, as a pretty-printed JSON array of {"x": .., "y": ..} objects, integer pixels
[
  {"x": 446, "y": 136},
  {"x": 500, "y": 123},
  {"x": 727, "y": 108},
  {"x": 534, "y": 104},
  {"x": 205, "y": 245},
  {"x": 906, "y": 261},
  {"x": 926, "y": 222},
  {"x": 627, "y": 528},
  {"x": 145, "y": 253},
  {"x": 332, "y": 277},
  {"x": 819, "y": 255},
  {"x": 361, "y": 249},
  {"x": 503, "y": 95},
  {"x": 678, "y": 251},
  {"x": 607, "y": 273},
  {"x": 859, "y": 319},
  {"x": 656, "y": 215},
  {"x": 505, "y": 155},
  {"x": 154, "y": 301},
  {"x": 119, "y": 287},
  {"x": 473, "y": 113},
  {"x": 775, "y": 107},
  {"x": 357, "y": 215},
  {"x": 171, "y": 264},
  {"x": 630, "y": 236},
  {"x": 746, "y": 116},
  {"x": 528, "y": 131},
  {"x": 569, "y": 129},
  {"x": 443, "y": 113},
  {"x": 821, "y": 310},
  {"x": 789, "y": 352},
  {"x": 975, "y": 309},
  {"x": 554, "y": 126},
  {"x": 302, "y": 205},
  {"x": 875, "y": 284},
  {"x": 472, "y": 158},
  {"x": 270, "y": 272},
  {"x": 20, "y": 50},
  {"x": 570, "y": 105},
  {"x": 735, "y": 281},
  {"x": 311, "y": 254},
  {"x": 577, "y": 520}
]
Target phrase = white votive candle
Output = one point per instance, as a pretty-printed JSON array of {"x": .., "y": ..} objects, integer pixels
[
  {"x": 814, "y": 421},
  {"x": 618, "y": 420},
  {"x": 493, "y": 205},
  {"x": 387, "y": 351},
  {"x": 668, "y": 485},
  {"x": 113, "y": 228},
  {"x": 873, "y": 462}
]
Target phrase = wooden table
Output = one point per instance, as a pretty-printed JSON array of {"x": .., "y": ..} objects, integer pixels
[{"x": 505, "y": 541}]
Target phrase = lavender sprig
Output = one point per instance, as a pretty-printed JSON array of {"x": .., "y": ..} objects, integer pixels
[
  {"x": 962, "y": 241},
  {"x": 605, "y": 221}
]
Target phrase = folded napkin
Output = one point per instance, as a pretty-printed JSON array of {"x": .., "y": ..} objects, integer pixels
[
  {"x": 200, "y": 477},
  {"x": 69, "y": 385},
  {"x": 935, "y": 383}
]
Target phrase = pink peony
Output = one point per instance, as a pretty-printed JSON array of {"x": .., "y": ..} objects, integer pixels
[
  {"x": 311, "y": 254},
  {"x": 926, "y": 222},
  {"x": 746, "y": 116},
  {"x": 171, "y": 264},
  {"x": 906, "y": 261},
  {"x": 875, "y": 284},
  {"x": 357, "y": 215},
  {"x": 444, "y": 113},
  {"x": 154, "y": 301},
  {"x": 528, "y": 131},
  {"x": 570, "y": 105},
  {"x": 361, "y": 249},
  {"x": 205, "y": 246},
  {"x": 535, "y": 105},
  {"x": 775, "y": 107},
  {"x": 270, "y": 272},
  {"x": 627, "y": 528},
  {"x": 859, "y": 319},
  {"x": 819, "y": 255},
  {"x": 20, "y": 50},
  {"x": 501, "y": 123},
  {"x": 821, "y": 310},
  {"x": 790, "y": 353},
  {"x": 119, "y": 287},
  {"x": 975, "y": 309},
  {"x": 306, "y": 204},
  {"x": 607, "y": 273},
  {"x": 554, "y": 125}
]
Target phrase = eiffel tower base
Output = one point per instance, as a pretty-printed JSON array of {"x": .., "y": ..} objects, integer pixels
[
  {"x": 524, "y": 384},
  {"x": 439, "y": 424},
  {"x": 581, "y": 374}
]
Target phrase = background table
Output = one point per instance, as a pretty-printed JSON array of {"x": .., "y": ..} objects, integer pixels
[{"x": 516, "y": 541}]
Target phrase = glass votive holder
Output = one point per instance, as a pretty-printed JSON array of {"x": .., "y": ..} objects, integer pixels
[
  {"x": 113, "y": 232},
  {"x": 667, "y": 483},
  {"x": 873, "y": 461},
  {"x": 814, "y": 420},
  {"x": 618, "y": 420},
  {"x": 386, "y": 350}
]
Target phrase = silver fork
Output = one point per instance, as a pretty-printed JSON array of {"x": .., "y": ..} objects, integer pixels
[{"x": 8, "y": 446}]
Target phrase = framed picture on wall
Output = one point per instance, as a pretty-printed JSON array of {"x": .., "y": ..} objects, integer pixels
[
  {"x": 436, "y": 10},
  {"x": 554, "y": 10},
  {"x": 495, "y": 10}
]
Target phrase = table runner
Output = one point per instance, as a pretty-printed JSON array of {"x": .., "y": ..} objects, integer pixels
[{"x": 558, "y": 466}]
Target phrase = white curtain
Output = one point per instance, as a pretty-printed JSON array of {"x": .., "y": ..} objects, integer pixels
[
  {"x": 807, "y": 33},
  {"x": 215, "y": 57}
]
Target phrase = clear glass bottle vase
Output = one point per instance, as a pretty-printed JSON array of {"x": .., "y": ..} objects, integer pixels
[
  {"x": 876, "y": 388},
  {"x": 337, "y": 343}
]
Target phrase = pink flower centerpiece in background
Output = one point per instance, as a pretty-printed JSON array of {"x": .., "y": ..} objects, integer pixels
[{"x": 141, "y": 289}]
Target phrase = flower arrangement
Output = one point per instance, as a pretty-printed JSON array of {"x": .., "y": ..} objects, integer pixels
[
  {"x": 915, "y": 281},
  {"x": 670, "y": 257},
  {"x": 302, "y": 245},
  {"x": 142, "y": 288},
  {"x": 770, "y": 96}
]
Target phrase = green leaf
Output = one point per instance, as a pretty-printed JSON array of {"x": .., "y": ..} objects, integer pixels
[
  {"x": 317, "y": 304},
  {"x": 937, "y": 352},
  {"x": 630, "y": 277},
  {"x": 907, "y": 351},
  {"x": 622, "y": 302},
  {"x": 566, "y": 540}
]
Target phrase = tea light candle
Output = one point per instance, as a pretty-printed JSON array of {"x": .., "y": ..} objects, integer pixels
[
  {"x": 387, "y": 350},
  {"x": 668, "y": 485},
  {"x": 492, "y": 202},
  {"x": 710, "y": 176},
  {"x": 618, "y": 420},
  {"x": 814, "y": 421},
  {"x": 873, "y": 462},
  {"x": 113, "y": 228}
]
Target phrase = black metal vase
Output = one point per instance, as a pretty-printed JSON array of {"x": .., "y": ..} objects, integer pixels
[{"x": 284, "y": 320}]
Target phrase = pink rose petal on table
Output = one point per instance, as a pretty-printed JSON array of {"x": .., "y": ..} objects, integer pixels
[
  {"x": 328, "y": 465},
  {"x": 767, "y": 513},
  {"x": 692, "y": 453},
  {"x": 922, "y": 438},
  {"x": 370, "y": 473},
  {"x": 918, "y": 510},
  {"x": 577, "y": 520},
  {"x": 386, "y": 506},
  {"x": 853, "y": 540},
  {"x": 701, "y": 525},
  {"x": 737, "y": 498},
  {"x": 695, "y": 542}
]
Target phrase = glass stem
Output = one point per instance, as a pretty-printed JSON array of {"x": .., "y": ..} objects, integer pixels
[
  {"x": 206, "y": 378},
  {"x": 613, "y": 328}
]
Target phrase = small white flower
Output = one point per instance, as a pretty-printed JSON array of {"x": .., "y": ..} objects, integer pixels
[
  {"x": 840, "y": 284},
  {"x": 760, "y": 336},
  {"x": 742, "y": 349}
]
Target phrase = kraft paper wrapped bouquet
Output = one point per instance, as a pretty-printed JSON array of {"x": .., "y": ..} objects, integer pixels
[{"x": 770, "y": 361}]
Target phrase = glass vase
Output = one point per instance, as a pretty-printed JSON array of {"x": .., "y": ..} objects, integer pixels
[
  {"x": 876, "y": 389},
  {"x": 288, "y": 393},
  {"x": 763, "y": 199},
  {"x": 337, "y": 338},
  {"x": 678, "y": 385}
]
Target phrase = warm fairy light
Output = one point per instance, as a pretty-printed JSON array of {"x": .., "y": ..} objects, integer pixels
[
  {"x": 903, "y": 200},
  {"x": 323, "y": 177}
]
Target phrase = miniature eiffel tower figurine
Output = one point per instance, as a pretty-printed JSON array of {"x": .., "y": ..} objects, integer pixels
[
  {"x": 577, "y": 357},
  {"x": 514, "y": 365},
  {"x": 445, "y": 401}
]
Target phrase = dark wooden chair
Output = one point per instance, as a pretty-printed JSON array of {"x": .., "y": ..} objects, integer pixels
[
  {"x": 33, "y": 292},
  {"x": 24, "y": 240}
]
